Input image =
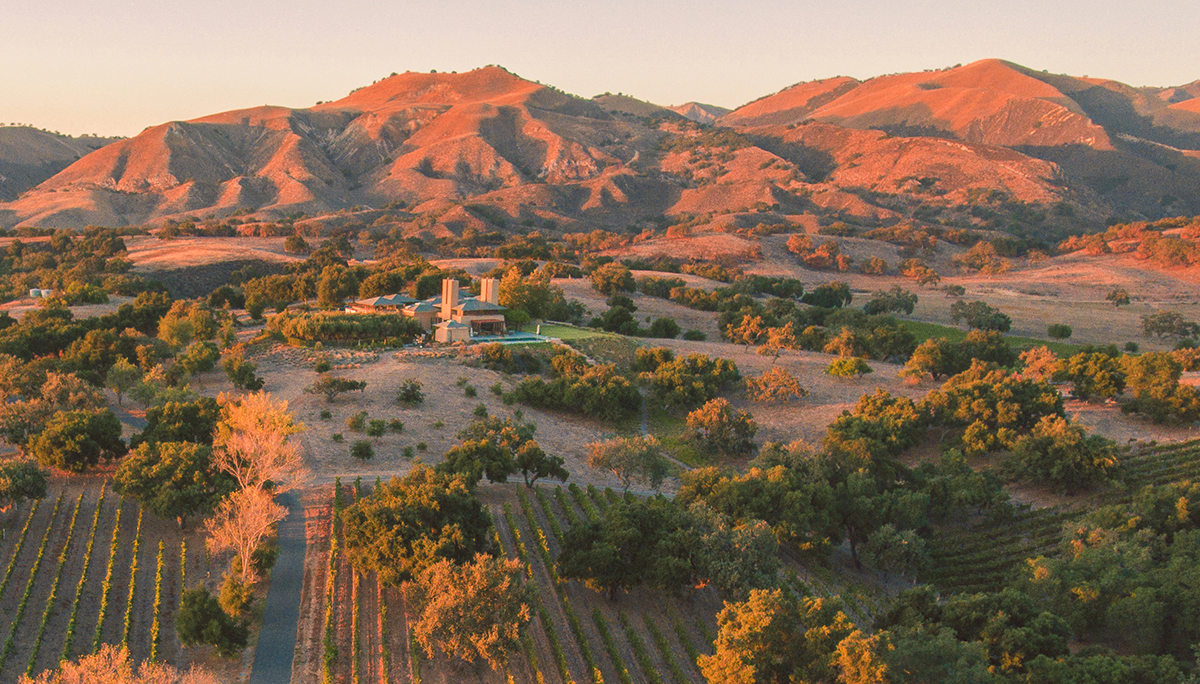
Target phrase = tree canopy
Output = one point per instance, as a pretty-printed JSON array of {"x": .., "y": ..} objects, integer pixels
[
  {"x": 77, "y": 440},
  {"x": 473, "y": 611},
  {"x": 173, "y": 479},
  {"x": 408, "y": 524}
]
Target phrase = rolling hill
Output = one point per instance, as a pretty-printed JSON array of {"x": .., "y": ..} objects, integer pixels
[
  {"x": 30, "y": 155},
  {"x": 488, "y": 148}
]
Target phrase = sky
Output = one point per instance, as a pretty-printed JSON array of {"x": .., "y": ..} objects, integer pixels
[{"x": 115, "y": 67}]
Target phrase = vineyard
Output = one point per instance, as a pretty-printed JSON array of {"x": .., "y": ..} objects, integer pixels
[
  {"x": 576, "y": 635},
  {"x": 986, "y": 555},
  {"x": 83, "y": 568}
]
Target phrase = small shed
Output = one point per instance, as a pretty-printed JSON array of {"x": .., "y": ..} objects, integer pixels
[{"x": 449, "y": 332}]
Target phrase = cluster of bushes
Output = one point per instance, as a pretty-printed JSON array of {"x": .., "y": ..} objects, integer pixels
[
  {"x": 619, "y": 319},
  {"x": 527, "y": 293},
  {"x": 390, "y": 329},
  {"x": 676, "y": 290},
  {"x": 503, "y": 359},
  {"x": 499, "y": 448},
  {"x": 786, "y": 326},
  {"x": 940, "y": 358},
  {"x": 980, "y": 316},
  {"x": 389, "y": 531},
  {"x": 326, "y": 277},
  {"x": 985, "y": 409},
  {"x": 665, "y": 545},
  {"x": 53, "y": 329},
  {"x": 982, "y": 258},
  {"x": 1152, "y": 380},
  {"x": 596, "y": 391},
  {"x": 1145, "y": 239},
  {"x": 826, "y": 255},
  {"x": 685, "y": 382}
]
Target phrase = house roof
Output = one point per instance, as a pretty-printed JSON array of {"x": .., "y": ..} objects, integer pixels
[
  {"x": 437, "y": 301},
  {"x": 451, "y": 324},
  {"x": 387, "y": 300},
  {"x": 477, "y": 305},
  {"x": 417, "y": 307}
]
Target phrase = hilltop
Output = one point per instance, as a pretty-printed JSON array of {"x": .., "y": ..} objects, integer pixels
[{"x": 696, "y": 111}]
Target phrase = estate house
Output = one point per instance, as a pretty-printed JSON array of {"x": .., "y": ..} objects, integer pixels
[{"x": 452, "y": 317}]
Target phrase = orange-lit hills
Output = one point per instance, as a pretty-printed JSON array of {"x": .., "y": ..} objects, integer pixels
[
  {"x": 1137, "y": 146},
  {"x": 487, "y": 147}
]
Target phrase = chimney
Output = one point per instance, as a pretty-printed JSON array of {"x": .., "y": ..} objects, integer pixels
[
  {"x": 449, "y": 298},
  {"x": 490, "y": 290}
]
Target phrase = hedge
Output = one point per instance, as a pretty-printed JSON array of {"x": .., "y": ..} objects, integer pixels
[{"x": 345, "y": 327}]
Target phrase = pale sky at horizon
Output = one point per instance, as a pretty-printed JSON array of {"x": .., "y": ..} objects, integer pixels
[{"x": 114, "y": 68}]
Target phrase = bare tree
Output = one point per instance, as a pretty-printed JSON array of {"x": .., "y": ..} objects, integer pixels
[
  {"x": 253, "y": 443},
  {"x": 241, "y": 522}
]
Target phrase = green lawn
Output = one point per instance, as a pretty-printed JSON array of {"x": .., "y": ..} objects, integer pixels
[
  {"x": 672, "y": 432},
  {"x": 925, "y": 331},
  {"x": 563, "y": 332}
]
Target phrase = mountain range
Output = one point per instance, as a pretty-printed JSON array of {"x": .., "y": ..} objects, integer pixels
[{"x": 974, "y": 144}]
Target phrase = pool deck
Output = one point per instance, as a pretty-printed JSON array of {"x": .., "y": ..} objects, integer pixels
[{"x": 511, "y": 338}]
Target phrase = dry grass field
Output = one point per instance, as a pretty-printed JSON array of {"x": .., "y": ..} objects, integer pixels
[{"x": 151, "y": 254}]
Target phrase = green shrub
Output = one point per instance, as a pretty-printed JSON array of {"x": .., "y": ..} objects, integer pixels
[
  {"x": 410, "y": 392},
  {"x": 848, "y": 368},
  {"x": 202, "y": 620},
  {"x": 376, "y": 428},
  {"x": 362, "y": 450},
  {"x": 1059, "y": 331},
  {"x": 236, "y": 597}
]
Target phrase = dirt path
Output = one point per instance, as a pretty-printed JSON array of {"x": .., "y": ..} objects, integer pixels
[
  {"x": 398, "y": 637},
  {"x": 368, "y": 612},
  {"x": 281, "y": 614},
  {"x": 318, "y": 518}
]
